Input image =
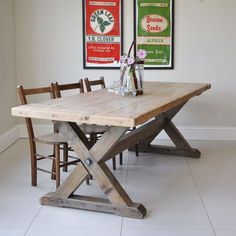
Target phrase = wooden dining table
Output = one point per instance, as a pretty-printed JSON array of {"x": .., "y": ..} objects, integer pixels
[{"x": 150, "y": 114}]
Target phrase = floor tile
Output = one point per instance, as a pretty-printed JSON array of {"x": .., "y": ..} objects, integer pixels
[
  {"x": 162, "y": 176},
  {"x": 13, "y": 152},
  {"x": 65, "y": 217},
  {"x": 16, "y": 180},
  {"x": 11, "y": 231},
  {"x": 225, "y": 232},
  {"x": 17, "y": 211},
  {"x": 213, "y": 172},
  {"x": 222, "y": 212},
  {"x": 165, "y": 232},
  {"x": 73, "y": 231},
  {"x": 171, "y": 213}
]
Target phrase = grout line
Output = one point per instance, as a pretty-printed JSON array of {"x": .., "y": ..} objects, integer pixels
[
  {"x": 9, "y": 146},
  {"x": 200, "y": 195},
  {"x": 121, "y": 226},
  {"x": 126, "y": 181},
  {"x": 33, "y": 220}
]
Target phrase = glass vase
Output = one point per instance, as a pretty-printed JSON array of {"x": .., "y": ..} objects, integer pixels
[
  {"x": 123, "y": 74},
  {"x": 131, "y": 81},
  {"x": 139, "y": 72}
]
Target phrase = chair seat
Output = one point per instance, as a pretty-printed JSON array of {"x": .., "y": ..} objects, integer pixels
[
  {"x": 95, "y": 129},
  {"x": 52, "y": 138},
  {"x": 57, "y": 138}
]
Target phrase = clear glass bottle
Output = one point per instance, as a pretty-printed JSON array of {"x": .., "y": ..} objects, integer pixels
[
  {"x": 123, "y": 74},
  {"x": 139, "y": 71}
]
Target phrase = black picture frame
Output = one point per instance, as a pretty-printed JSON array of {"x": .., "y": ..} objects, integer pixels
[
  {"x": 170, "y": 66},
  {"x": 116, "y": 64}
]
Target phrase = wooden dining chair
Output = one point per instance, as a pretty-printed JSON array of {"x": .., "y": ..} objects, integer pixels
[
  {"x": 101, "y": 82},
  {"x": 54, "y": 139}
]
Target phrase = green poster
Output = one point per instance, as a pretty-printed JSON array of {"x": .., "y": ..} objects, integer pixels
[{"x": 154, "y": 32}]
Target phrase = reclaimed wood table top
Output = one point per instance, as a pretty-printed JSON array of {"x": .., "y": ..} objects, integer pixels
[{"x": 105, "y": 108}]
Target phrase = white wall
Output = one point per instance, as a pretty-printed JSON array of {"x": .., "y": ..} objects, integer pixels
[
  {"x": 7, "y": 65},
  {"x": 49, "y": 48}
]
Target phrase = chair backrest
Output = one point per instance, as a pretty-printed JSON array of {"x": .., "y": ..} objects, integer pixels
[
  {"x": 24, "y": 93},
  {"x": 57, "y": 88},
  {"x": 89, "y": 83}
]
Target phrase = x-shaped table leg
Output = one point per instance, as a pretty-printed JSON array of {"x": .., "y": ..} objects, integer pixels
[
  {"x": 182, "y": 147},
  {"x": 118, "y": 201}
]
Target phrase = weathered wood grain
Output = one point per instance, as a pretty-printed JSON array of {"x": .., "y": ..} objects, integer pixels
[
  {"x": 109, "y": 139},
  {"x": 176, "y": 136},
  {"x": 100, "y": 172},
  {"x": 167, "y": 150},
  {"x": 74, "y": 180},
  {"x": 135, "y": 136},
  {"x": 136, "y": 210}
]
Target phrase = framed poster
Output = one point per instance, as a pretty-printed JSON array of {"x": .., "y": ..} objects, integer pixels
[
  {"x": 154, "y": 32},
  {"x": 102, "y": 33}
]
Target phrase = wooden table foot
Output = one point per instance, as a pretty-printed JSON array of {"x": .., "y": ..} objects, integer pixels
[
  {"x": 136, "y": 210},
  {"x": 166, "y": 150}
]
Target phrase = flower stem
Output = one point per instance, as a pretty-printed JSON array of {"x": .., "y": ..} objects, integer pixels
[{"x": 130, "y": 48}]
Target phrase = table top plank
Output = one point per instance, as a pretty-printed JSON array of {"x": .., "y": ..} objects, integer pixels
[{"x": 105, "y": 108}]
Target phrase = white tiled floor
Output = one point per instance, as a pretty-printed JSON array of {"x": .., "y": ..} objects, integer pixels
[{"x": 184, "y": 197}]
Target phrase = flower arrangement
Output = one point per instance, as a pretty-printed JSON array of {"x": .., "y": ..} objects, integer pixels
[
  {"x": 131, "y": 74},
  {"x": 131, "y": 82}
]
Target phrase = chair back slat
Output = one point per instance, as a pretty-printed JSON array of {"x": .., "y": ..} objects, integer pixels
[
  {"x": 34, "y": 91},
  {"x": 57, "y": 88},
  {"x": 90, "y": 83}
]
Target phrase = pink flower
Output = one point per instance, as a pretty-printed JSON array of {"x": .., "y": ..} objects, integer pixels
[
  {"x": 131, "y": 60},
  {"x": 141, "y": 54}
]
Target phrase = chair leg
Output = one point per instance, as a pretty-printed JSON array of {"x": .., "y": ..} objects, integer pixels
[
  {"x": 33, "y": 164},
  {"x": 93, "y": 138},
  {"x": 121, "y": 158},
  {"x": 65, "y": 157},
  {"x": 114, "y": 163},
  {"x": 53, "y": 176},
  {"x": 87, "y": 180},
  {"x": 136, "y": 149},
  {"x": 57, "y": 163}
]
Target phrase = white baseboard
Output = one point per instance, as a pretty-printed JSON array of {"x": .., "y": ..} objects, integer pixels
[
  {"x": 190, "y": 133},
  {"x": 205, "y": 133},
  {"x": 8, "y": 138}
]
